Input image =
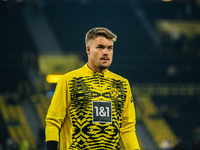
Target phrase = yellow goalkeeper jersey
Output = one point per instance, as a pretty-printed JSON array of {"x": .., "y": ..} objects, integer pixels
[{"x": 90, "y": 110}]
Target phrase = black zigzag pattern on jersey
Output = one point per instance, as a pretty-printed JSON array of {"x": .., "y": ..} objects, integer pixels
[{"x": 87, "y": 134}]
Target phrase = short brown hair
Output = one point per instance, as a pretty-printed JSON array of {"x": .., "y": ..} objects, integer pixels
[{"x": 100, "y": 31}]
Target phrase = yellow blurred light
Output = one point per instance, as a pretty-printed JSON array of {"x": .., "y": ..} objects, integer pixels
[
  {"x": 53, "y": 78},
  {"x": 166, "y": 0}
]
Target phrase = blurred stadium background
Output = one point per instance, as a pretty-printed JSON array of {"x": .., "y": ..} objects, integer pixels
[{"x": 158, "y": 50}]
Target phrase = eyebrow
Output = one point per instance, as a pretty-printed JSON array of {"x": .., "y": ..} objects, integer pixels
[{"x": 110, "y": 46}]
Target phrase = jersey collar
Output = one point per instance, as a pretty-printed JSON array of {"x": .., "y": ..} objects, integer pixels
[{"x": 89, "y": 71}]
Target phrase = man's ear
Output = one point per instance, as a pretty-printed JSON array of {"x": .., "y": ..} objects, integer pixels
[{"x": 88, "y": 49}]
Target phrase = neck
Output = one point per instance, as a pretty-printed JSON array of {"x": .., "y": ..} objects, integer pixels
[{"x": 99, "y": 70}]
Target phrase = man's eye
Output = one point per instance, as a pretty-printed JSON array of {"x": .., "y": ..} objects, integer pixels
[
  {"x": 100, "y": 47},
  {"x": 110, "y": 48}
]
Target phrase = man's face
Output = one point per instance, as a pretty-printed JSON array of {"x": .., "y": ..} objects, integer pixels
[{"x": 100, "y": 54}]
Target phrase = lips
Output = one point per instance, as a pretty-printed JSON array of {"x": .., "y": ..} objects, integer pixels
[{"x": 104, "y": 58}]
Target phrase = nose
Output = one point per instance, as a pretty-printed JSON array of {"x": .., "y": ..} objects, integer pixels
[{"x": 105, "y": 51}]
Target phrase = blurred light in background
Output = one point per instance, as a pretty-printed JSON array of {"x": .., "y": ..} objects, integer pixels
[
  {"x": 53, "y": 78},
  {"x": 166, "y": 0}
]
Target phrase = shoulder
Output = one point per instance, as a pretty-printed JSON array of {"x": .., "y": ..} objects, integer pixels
[
  {"x": 71, "y": 74},
  {"x": 74, "y": 72},
  {"x": 116, "y": 76}
]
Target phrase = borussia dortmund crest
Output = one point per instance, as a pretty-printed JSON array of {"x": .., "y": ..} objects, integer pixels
[{"x": 114, "y": 92}]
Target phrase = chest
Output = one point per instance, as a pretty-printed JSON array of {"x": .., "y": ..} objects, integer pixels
[
  {"x": 97, "y": 99},
  {"x": 97, "y": 88}
]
